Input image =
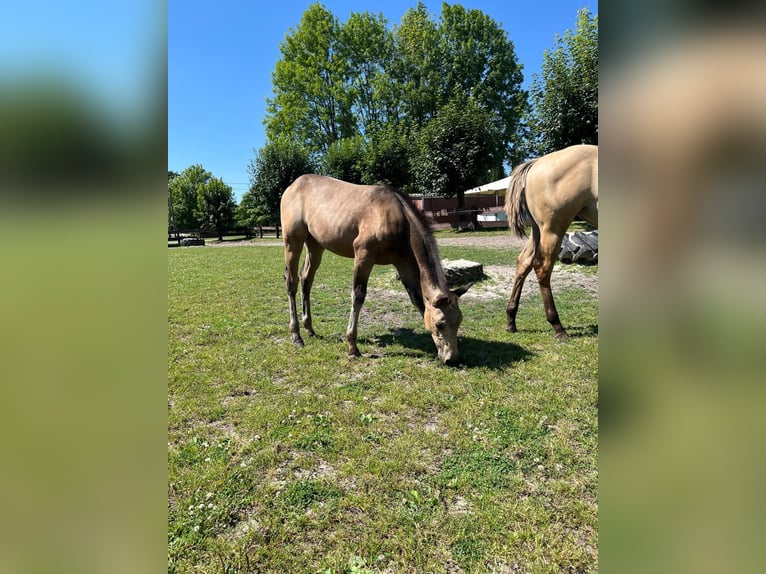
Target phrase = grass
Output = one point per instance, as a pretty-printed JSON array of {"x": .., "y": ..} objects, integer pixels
[{"x": 302, "y": 460}]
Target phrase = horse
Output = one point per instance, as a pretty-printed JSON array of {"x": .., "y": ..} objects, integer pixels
[
  {"x": 374, "y": 225},
  {"x": 549, "y": 191}
]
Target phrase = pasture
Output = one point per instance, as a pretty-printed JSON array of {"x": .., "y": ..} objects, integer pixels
[{"x": 283, "y": 459}]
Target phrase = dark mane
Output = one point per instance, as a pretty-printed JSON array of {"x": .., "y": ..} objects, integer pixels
[
  {"x": 422, "y": 238},
  {"x": 425, "y": 224}
]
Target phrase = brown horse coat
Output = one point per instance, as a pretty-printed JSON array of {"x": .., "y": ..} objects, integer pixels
[
  {"x": 549, "y": 192},
  {"x": 374, "y": 225}
]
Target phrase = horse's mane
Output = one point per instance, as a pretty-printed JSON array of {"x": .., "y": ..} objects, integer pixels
[
  {"x": 515, "y": 199},
  {"x": 422, "y": 238}
]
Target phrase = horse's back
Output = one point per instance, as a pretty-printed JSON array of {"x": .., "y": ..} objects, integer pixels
[
  {"x": 564, "y": 182},
  {"x": 335, "y": 213}
]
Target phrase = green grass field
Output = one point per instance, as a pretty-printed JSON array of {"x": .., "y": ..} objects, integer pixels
[{"x": 292, "y": 460}]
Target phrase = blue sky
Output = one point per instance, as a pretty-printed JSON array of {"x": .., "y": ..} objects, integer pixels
[{"x": 221, "y": 55}]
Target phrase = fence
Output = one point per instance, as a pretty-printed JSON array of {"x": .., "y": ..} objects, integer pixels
[{"x": 198, "y": 235}]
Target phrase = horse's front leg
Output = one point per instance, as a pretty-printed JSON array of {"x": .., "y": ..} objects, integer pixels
[{"x": 362, "y": 269}]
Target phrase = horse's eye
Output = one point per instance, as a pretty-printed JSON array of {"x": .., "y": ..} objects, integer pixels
[{"x": 440, "y": 325}]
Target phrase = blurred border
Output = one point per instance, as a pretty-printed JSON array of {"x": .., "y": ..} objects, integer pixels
[
  {"x": 83, "y": 160},
  {"x": 683, "y": 150}
]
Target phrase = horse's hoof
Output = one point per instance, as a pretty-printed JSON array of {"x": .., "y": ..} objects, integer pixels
[
  {"x": 511, "y": 328},
  {"x": 562, "y": 336},
  {"x": 353, "y": 353},
  {"x": 298, "y": 342}
]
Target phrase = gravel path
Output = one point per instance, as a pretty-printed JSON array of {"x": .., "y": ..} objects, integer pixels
[{"x": 499, "y": 277}]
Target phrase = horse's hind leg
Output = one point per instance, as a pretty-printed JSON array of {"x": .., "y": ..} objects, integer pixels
[
  {"x": 523, "y": 267},
  {"x": 550, "y": 244},
  {"x": 314, "y": 253},
  {"x": 293, "y": 248}
]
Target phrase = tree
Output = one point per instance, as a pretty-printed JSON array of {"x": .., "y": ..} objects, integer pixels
[
  {"x": 345, "y": 159},
  {"x": 171, "y": 216},
  {"x": 388, "y": 157},
  {"x": 458, "y": 149},
  {"x": 183, "y": 192},
  {"x": 417, "y": 67},
  {"x": 275, "y": 167},
  {"x": 479, "y": 60},
  {"x": 565, "y": 98},
  {"x": 367, "y": 45},
  {"x": 215, "y": 205},
  {"x": 346, "y": 89},
  {"x": 311, "y": 99}
]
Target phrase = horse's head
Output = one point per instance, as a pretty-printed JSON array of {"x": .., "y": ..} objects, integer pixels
[{"x": 442, "y": 318}]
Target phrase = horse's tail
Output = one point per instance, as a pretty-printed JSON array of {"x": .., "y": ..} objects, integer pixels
[{"x": 516, "y": 200}]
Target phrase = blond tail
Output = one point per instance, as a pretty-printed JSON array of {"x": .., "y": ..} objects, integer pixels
[{"x": 516, "y": 201}]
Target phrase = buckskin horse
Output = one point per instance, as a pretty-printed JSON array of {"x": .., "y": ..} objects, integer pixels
[
  {"x": 374, "y": 225},
  {"x": 549, "y": 192}
]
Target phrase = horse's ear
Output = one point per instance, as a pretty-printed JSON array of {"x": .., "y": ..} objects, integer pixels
[{"x": 460, "y": 291}]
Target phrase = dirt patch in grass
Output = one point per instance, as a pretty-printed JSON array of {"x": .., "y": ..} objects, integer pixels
[
  {"x": 506, "y": 241},
  {"x": 499, "y": 281}
]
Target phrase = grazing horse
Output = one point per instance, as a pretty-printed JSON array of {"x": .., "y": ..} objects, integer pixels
[
  {"x": 551, "y": 191},
  {"x": 374, "y": 225}
]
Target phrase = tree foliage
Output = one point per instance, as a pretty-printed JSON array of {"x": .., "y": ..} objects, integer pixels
[
  {"x": 565, "y": 97},
  {"x": 309, "y": 83},
  {"x": 366, "y": 44},
  {"x": 357, "y": 95},
  {"x": 274, "y": 168},
  {"x": 459, "y": 147},
  {"x": 388, "y": 156},
  {"x": 481, "y": 62},
  {"x": 215, "y": 206},
  {"x": 345, "y": 159},
  {"x": 183, "y": 192},
  {"x": 197, "y": 200}
]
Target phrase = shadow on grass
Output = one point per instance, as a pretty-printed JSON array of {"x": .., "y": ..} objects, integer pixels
[
  {"x": 583, "y": 331},
  {"x": 473, "y": 352},
  {"x": 574, "y": 331}
]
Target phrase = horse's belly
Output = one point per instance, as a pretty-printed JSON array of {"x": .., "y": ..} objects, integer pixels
[{"x": 337, "y": 244}]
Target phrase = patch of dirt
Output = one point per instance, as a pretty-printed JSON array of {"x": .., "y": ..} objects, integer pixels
[
  {"x": 500, "y": 277},
  {"x": 260, "y": 243},
  {"x": 506, "y": 241},
  {"x": 499, "y": 281}
]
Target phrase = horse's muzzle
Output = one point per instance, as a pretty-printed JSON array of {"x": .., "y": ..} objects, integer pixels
[{"x": 451, "y": 359}]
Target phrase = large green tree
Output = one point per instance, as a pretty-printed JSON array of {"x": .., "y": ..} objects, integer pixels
[
  {"x": 183, "y": 196},
  {"x": 479, "y": 60},
  {"x": 345, "y": 159},
  {"x": 565, "y": 96},
  {"x": 275, "y": 167},
  {"x": 197, "y": 200},
  {"x": 311, "y": 101},
  {"x": 215, "y": 206},
  {"x": 388, "y": 158},
  {"x": 417, "y": 69},
  {"x": 459, "y": 147},
  {"x": 337, "y": 82},
  {"x": 366, "y": 45}
]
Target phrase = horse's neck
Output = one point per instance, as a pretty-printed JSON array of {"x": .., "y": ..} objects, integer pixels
[{"x": 432, "y": 279}]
